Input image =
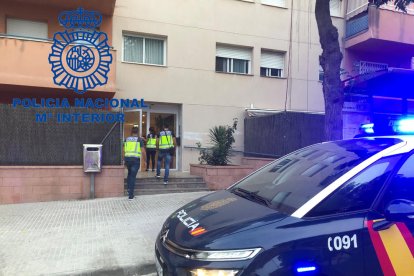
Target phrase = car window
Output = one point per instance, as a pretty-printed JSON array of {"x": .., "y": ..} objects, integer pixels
[
  {"x": 359, "y": 192},
  {"x": 401, "y": 185},
  {"x": 291, "y": 181}
]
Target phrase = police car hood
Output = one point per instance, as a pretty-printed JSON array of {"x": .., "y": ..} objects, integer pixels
[{"x": 216, "y": 215}]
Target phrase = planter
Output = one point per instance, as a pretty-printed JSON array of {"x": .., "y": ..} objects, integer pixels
[
  {"x": 220, "y": 177},
  {"x": 255, "y": 162}
]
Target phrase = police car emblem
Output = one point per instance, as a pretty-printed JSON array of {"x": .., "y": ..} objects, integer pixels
[{"x": 80, "y": 55}]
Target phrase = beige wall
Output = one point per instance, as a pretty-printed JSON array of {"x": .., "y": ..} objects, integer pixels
[{"x": 192, "y": 29}]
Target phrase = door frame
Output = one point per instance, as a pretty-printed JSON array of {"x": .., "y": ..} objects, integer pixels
[{"x": 175, "y": 113}]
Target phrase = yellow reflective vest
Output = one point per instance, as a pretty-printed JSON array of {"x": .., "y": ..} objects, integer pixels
[
  {"x": 166, "y": 140},
  {"x": 151, "y": 141},
  {"x": 132, "y": 147}
]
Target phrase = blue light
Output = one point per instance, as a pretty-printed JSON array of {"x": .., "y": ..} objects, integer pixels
[
  {"x": 368, "y": 128},
  {"x": 306, "y": 269},
  {"x": 405, "y": 126}
]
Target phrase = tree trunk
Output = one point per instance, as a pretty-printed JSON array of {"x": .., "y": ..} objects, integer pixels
[{"x": 330, "y": 60}]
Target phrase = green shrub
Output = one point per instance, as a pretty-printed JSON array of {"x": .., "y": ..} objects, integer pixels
[{"x": 222, "y": 139}]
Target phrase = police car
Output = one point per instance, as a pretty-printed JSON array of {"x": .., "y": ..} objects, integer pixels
[{"x": 335, "y": 208}]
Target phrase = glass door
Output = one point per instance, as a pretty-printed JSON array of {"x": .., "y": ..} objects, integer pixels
[{"x": 157, "y": 120}]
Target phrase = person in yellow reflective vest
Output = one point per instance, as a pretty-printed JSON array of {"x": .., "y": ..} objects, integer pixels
[
  {"x": 151, "y": 148},
  {"x": 166, "y": 148},
  {"x": 133, "y": 147}
]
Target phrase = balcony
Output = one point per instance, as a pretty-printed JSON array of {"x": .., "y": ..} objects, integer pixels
[
  {"x": 380, "y": 30},
  {"x": 25, "y": 69}
]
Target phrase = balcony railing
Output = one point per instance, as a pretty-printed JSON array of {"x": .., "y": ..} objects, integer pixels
[
  {"x": 365, "y": 67},
  {"x": 357, "y": 25}
]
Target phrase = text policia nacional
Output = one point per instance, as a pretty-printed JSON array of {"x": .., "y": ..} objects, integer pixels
[{"x": 81, "y": 117}]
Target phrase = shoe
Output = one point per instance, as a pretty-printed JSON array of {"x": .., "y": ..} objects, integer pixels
[
  {"x": 157, "y": 176},
  {"x": 146, "y": 170},
  {"x": 165, "y": 182},
  {"x": 131, "y": 198}
]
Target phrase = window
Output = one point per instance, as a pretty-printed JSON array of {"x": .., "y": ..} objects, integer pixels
[
  {"x": 402, "y": 184},
  {"x": 144, "y": 50},
  {"x": 359, "y": 192},
  {"x": 233, "y": 59},
  {"x": 26, "y": 28},
  {"x": 272, "y": 64},
  {"x": 277, "y": 3},
  {"x": 335, "y": 7}
]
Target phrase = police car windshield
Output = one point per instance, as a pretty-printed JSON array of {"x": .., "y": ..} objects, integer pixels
[{"x": 292, "y": 180}]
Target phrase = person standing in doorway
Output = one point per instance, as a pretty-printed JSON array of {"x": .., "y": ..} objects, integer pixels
[
  {"x": 133, "y": 146},
  {"x": 151, "y": 148},
  {"x": 166, "y": 146}
]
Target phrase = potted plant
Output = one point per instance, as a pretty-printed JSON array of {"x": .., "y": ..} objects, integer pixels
[
  {"x": 214, "y": 160},
  {"x": 222, "y": 139}
]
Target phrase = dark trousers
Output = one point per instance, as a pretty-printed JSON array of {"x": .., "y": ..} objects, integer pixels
[
  {"x": 132, "y": 165},
  {"x": 151, "y": 154},
  {"x": 164, "y": 154}
]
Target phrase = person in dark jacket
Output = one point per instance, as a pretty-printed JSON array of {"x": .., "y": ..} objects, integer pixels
[{"x": 151, "y": 148}]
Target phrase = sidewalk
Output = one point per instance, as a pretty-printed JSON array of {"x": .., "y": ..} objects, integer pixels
[{"x": 111, "y": 236}]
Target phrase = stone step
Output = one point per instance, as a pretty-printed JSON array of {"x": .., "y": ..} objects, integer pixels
[
  {"x": 167, "y": 190},
  {"x": 160, "y": 185},
  {"x": 171, "y": 179},
  {"x": 152, "y": 185}
]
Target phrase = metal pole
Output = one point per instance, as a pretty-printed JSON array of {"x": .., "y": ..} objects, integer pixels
[
  {"x": 109, "y": 132},
  {"x": 92, "y": 193}
]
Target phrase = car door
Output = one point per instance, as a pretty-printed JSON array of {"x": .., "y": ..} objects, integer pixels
[
  {"x": 390, "y": 251},
  {"x": 336, "y": 224}
]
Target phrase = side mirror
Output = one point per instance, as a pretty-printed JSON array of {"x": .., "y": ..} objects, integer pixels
[{"x": 398, "y": 210}]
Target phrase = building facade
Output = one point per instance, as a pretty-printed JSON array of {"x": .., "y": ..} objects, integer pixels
[{"x": 199, "y": 64}]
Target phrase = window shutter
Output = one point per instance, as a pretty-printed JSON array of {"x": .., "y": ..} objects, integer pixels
[
  {"x": 279, "y": 3},
  {"x": 272, "y": 60},
  {"x": 26, "y": 28},
  {"x": 233, "y": 52}
]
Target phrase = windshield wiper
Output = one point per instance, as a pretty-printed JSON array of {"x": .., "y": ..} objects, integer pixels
[{"x": 252, "y": 196}]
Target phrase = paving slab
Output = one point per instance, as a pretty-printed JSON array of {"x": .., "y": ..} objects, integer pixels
[{"x": 111, "y": 236}]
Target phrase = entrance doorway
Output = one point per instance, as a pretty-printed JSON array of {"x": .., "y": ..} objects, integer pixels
[
  {"x": 157, "y": 121},
  {"x": 146, "y": 119}
]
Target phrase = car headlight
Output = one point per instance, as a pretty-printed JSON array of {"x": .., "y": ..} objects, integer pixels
[
  {"x": 212, "y": 272},
  {"x": 227, "y": 255}
]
